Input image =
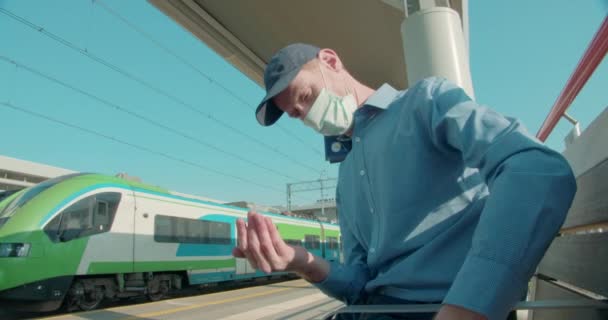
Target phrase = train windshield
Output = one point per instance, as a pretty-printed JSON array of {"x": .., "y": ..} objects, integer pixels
[{"x": 11, "y": 208}]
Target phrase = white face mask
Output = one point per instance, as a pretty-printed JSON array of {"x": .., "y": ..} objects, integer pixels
[{"x": 330, "y": 114}]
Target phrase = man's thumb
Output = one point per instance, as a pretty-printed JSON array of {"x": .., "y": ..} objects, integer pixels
[{"x": 238, "y": 253}]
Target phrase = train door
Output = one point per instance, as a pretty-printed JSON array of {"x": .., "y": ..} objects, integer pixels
[
  {"x": 243, "y": 266},
  {"x": 106, "y": 220},
  {"x": 155, "y": 244}
]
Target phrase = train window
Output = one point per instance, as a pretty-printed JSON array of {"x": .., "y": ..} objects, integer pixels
[
  {"x": 163, "y": 229},
  {"x": 101, "y": 215},
  {"x": 88, "y": 216},
  {"x": 218, "y": 232},
  {"x": 181, "y": 230},
  {"x": 103, "y": 210},
  {"x": 332, "y": 243},
  {"x": 194, "y": 230},
  {"x": 293, "y": 242},
  {"x": 312, "y": 242},
  {"x": 184, "y": 230},
  {"x": 30, "y": 193}
]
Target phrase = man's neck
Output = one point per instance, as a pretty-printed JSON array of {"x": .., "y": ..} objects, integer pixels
[{"x": 362, "y": 93}]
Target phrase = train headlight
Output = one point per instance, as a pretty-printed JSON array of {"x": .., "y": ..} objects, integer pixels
[{"x": 14, "y": 250}]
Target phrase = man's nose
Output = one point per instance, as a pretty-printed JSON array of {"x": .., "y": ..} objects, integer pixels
[{"x": 295, "y": 112}]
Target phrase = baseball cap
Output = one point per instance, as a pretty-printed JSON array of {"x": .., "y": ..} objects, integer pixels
[{"x": 280, "y": 71}]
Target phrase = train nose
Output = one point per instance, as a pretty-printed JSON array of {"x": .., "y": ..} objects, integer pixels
[{"x": 7, "y": 275}]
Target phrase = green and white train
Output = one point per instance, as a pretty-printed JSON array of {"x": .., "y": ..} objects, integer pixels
[{"x": 82, "y": 238}]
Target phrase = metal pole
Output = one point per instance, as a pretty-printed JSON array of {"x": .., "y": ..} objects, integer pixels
[
  {"x": 570, "y": 118},
  {"x": 322, "y": 198},
  {"x": 289, "y": 197},
  {"x": 591, "y": 59}
]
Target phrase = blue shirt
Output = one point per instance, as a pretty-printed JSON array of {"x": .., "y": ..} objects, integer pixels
[{"x": 442, "y": 199}]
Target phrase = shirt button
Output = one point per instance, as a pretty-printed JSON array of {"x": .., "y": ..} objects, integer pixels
[
  {"x": 362, "y": 172},
  {"x": 372, "y": 250},
  {"x": 371, "y": 210},
  {"x": 357, "y": 139}
]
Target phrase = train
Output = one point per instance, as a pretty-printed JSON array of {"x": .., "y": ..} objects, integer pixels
[{"x": 76, "y": 240}]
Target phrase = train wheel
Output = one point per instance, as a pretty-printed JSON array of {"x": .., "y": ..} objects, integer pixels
[
  {"x": 91, "y": 300},
  {"x": 158, "y": 289},
  {"x": 83, "y": 298}
]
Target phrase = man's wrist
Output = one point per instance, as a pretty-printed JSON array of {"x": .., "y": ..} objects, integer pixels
[{"x": 312, "y": 269}]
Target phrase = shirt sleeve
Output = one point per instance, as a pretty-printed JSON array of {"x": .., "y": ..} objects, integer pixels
[
  {"x": 347, "y": 281},
  {"x": 531, "y": 189}
]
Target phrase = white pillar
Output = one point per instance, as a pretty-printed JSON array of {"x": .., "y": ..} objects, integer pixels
[{"x": 434, "y": 45}]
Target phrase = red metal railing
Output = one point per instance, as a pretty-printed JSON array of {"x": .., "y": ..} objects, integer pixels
[{"x": 588, "y": 63}]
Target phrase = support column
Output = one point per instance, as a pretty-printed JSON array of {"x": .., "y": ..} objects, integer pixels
[{"x": 434, "y": 43}]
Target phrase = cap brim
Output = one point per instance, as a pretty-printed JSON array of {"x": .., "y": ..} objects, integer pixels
[{"x": 267, "y": 112}]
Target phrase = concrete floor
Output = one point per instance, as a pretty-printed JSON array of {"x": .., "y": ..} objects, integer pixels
[
  {"x": 283, "y": 300},
  {"x": 294, "y": 299}
]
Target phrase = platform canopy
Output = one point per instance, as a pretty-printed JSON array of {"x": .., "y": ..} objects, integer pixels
[
  {"x": 365, "y": 33},
  {"x": 17, "y": 174}
]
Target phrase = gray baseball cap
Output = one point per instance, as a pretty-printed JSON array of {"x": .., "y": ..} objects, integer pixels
[{"x": 280, "y": 71}]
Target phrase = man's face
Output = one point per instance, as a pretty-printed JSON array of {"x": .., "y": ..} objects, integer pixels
[{"x": 297, "y": 99}]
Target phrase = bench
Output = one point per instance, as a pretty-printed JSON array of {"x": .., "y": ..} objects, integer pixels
[{"x": 575, "y": 266}]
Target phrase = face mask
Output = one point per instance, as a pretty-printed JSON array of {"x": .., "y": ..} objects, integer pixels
[{"x": 330, "y": 114}]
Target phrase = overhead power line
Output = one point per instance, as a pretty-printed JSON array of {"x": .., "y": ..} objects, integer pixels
[
  {"x": 139, "y": 116},
  {"x": 184, "y": 61},
  {"x": 153, "y": 88},
  {"x": 138, "y": 147},
  {"x": 135, "y": 146}
]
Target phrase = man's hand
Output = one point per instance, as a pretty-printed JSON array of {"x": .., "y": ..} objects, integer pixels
[
  {"x": 259, "y": 241},
  {"x": 451, "y": 312}
]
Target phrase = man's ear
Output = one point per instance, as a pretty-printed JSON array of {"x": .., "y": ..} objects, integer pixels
[{"x": 330, "y": 59}]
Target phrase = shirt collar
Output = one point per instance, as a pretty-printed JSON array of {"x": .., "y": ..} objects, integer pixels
[
  {"x": 382, "y": 98},
  {"x": 379, "y": 100}
]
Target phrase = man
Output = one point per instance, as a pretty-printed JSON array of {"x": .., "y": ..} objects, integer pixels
[{"x": 441, "y": 200}]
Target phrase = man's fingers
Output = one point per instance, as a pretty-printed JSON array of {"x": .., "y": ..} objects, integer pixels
[
  {"x": 276, "y": 239},
  {"x": 266, "y": 244},
  {"x": 241, "y": 230},
  {"x": 242, "y": 245},
  {"x": 237, "y": 253},
  {"x": 257, "y": 241},
  {"x": 254, "y": 243}
]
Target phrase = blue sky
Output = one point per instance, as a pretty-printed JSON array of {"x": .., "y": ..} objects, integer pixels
[{"x": 522, "y": 53}]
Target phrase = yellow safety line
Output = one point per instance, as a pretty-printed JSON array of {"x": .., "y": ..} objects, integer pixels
[
  {"x": 73, "y": 314},
  {"x": 174, "y": 310},
  {"x": 200, "y": 305}
]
